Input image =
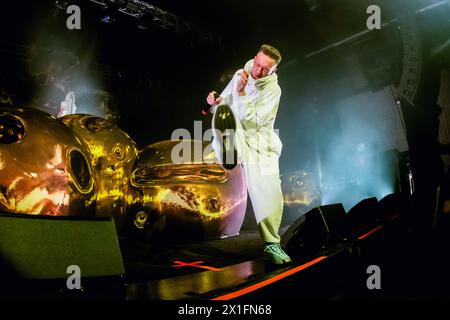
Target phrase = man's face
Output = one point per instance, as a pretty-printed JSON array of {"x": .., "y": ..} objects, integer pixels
[{"x": 263, "y": 66}]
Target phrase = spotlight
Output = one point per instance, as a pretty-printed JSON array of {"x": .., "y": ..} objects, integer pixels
[
  {"x": 62, "y": 4},
  {"x": 109, "y": 14},
  {"x": 361, "y": 147},
  {"x": 108, "y": 18}
]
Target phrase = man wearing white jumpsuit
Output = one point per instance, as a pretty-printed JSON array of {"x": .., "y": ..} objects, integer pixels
[{"x": 253, "y": 95}]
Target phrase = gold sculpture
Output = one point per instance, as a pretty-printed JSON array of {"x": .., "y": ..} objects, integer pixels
[
  {"x": 43, "y": 166},
  {"x": 111, "y": 153},
  {"x": 194, "y": 199}
]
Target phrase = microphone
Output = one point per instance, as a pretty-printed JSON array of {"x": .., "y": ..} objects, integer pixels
[{"x": 207, "y": 107}]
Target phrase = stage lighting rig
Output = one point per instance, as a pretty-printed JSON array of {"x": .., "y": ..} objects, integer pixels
[
  {"x": 62, "y": 4},
  {"x": 145, "y": 21},
  {"x": 313, "y": 5},
  {"x": 142, "y": 10}
]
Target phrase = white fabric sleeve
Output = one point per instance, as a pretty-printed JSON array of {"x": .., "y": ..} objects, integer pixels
[
  {"x": 227, "y": 92},
  {"x": 231, "y": 89},
  {"x": 263, "y": 110},
  {"x": 226, "y": 95}
]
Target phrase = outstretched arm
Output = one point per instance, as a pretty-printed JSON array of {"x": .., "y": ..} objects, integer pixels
[{"x": 224, "y": 97}]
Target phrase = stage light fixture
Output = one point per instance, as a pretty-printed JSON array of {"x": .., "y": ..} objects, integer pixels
[
  {"x": 109, "y": 14},
  {"x": 62, "y": 4},
  {"x": 145, "y": 21}
]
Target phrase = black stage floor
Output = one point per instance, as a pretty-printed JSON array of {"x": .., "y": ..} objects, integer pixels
[
  {"x": 413, "y": 265},
  {"x": 146, "y": 262}
]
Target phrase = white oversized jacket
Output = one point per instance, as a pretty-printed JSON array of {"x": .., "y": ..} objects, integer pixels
[
  {"x": 257, "y": 144},
  {"x": 255, "y": 113}
]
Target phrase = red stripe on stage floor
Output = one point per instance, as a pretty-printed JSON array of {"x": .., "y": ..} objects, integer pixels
[
  {"x": 369, "y": 233},
  {"x": 196, "y": 264},
  {"x": 266, "y": 282}
]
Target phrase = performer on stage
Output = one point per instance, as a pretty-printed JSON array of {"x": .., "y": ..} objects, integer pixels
[
  {"x": 252, "y": 98},
  {"x": 68, "y": 105}
]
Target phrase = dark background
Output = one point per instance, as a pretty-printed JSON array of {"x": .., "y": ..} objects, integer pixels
[{"x": 157, "y": 79}]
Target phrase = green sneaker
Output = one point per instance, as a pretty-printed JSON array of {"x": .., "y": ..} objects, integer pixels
[{"x": 274, "y": 253}]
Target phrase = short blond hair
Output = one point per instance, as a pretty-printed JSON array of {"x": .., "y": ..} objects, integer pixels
[{"x": 272, "y": 52}]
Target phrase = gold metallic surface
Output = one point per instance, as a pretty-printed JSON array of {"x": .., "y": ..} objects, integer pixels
[
  {"x": 301, "y": 192},
  {"x": 43, "y": 169},
  {"x": 83, "y": 165},
  {"x": 193, "y": 199},
  {"x": 111, "y": 153},
  {"x": 299, "y": 188}
]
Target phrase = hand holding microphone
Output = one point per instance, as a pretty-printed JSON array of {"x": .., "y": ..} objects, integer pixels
[
  {"x": 213, "y": 97},
  {"x": 212, "y": 100}
]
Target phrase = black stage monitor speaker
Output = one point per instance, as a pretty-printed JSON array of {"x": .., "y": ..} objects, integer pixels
[
  {"x": 40, "y": 247},
  {"x": 394, "y": 204},
  {"x": 363, "y": 216},
  {"x": 318, "y": 229}
]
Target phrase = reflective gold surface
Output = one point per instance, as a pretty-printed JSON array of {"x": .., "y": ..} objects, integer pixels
[
  {"x": 301, "y": 191},
  {"x": 83, "y": 165},
  {"x": 111, "y": 153},
  {"x": 194, "y": 199},
  {"x": 43, "y": 168}
]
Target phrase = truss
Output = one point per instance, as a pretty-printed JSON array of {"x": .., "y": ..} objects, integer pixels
[{"x": 159, "y": 17}]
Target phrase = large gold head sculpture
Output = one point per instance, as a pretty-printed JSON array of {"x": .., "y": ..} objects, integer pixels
[
  {"x": 82, "y": 165},
  {"x": 185, "y": 194},
  {"x": 111, "y": 153},
  {"x": 43, "y": 166}
]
